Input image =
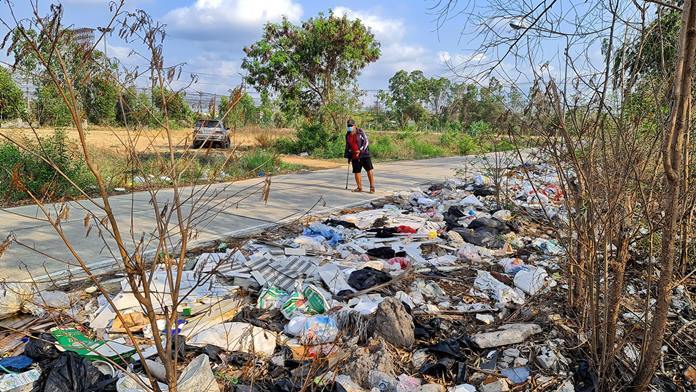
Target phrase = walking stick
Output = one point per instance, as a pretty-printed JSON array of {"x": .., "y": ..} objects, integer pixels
[{"x": 347, "y": 175}]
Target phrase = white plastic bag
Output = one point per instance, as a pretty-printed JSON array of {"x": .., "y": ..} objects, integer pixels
[{"x": 236, "y": 336}]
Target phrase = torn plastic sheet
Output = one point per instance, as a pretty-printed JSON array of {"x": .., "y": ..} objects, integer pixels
[
  {"x": 502, "y": 292},
  {"x": 334, "y": 278},
  {"x": 236, "y": 336}
]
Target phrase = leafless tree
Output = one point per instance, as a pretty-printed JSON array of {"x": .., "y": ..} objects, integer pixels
[
  {"x": 138, "y": 252},
  {"x": 623, "y": 162}
]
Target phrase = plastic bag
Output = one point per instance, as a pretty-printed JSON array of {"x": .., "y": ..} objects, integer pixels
[
  {"x": 14, "y": 297},
  {"x": 197, "y": 377},
  {"x": 502, "y": 292},
  {"x": 367, "y": 277},
  {"x": 19, "y": 381},
  {"x": 531, "y": 279},
  {"x": 271, "y": 298},
  {"x": 235, "y": 336},
  {"x": 511, "y": 265},
  {"x": 332, "y": 235},
  {"x": 313, "y": 330},
  {"x": 309, "y": 301},
  {"x": 70, "y": 372}
]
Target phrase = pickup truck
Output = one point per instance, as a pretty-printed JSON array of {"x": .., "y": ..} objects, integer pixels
[{"x": 210, "y": 131}]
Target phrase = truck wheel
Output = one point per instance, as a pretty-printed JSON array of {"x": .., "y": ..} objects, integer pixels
[
  {"x": 196, "y": 144},
  {"x": 226, "y": 144}
]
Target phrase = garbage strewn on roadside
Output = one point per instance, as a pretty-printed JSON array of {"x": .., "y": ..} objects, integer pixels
[{"x": 428, "y": 290}]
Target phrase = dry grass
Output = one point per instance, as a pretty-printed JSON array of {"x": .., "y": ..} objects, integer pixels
[{"x": 114, "y": 138}]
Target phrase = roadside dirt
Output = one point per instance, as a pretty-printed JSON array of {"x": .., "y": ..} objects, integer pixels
[{"x": 312, "y": 163}]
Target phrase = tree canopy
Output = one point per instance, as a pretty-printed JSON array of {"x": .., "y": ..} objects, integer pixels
[
  {"x": 12, "y": 103},
  {"x": 307, "y": 64}
]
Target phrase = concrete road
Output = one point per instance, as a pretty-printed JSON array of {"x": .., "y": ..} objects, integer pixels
[{"x": 222, "y": 210}]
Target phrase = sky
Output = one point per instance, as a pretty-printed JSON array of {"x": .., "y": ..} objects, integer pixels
[{"x": 209, "y": 35}]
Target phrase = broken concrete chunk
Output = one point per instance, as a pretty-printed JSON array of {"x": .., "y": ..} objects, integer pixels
[
  {"x": 485, "y": 318},
  {"x": 364, "y": 359},
  {"x": 381, "y": 381},
  {"x": 567, "y": 386},
  {"x": 394, "y": 323},
  {"x": 508, "y": 334},
  {"x": 498, "y": 385},
  {"x": 511, "y": 352},
  {"x": 463, "y": 388},
  {"x": 346, "y": 384},
  {"x": 432, "y": 388}
]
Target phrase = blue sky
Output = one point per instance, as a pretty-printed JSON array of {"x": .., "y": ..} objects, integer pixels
[{"x": 208, "y": 35}]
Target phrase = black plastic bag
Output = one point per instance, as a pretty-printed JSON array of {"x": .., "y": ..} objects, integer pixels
[
  {"x": 337, "y": 222},
  {"x": 72, "y": 373},
  {"x": 384, "y": 232},
  {"x": 426, "y": 331},
  {"x": 42, "y": 348},
  {"x": 482, "y": 237},
  {"x": 382, "y": 252},
  {"x": 489, "y": 223},
  {"x": 367, "y": 277},
  {"x": 450, "y": 363},
  {"x": 484, "y": 191}
]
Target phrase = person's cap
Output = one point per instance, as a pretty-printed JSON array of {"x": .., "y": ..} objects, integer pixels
[{"x": 351, "y": 122}]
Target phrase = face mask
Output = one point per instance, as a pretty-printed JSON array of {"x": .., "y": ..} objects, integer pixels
[{"x": 350, "y": 129}]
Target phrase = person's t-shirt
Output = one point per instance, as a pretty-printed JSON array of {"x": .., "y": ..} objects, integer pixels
[{"x": 353, "y": 143}]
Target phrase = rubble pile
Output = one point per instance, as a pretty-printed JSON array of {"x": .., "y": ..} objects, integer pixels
[{"x": 428, "y": 290}]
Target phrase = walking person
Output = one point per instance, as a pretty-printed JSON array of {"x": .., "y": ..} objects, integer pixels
[{"x": 358, "y": 154}]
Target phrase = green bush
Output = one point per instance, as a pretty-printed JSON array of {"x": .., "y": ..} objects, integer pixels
[
  {"x": 39, "y": 177},
  {"x": 425, "y": 150},
  {"x": 314, "y": 139},
  {"x": 383, "y": 147},
  {"x": 311, "y": 137},
  {"x": 178, "y": 111},
  {"x": 459, "y": 143},
  {"x": 335, "y": 148},
  {"x": 466, "y": 145},
  {"x": 262, "y": 162},
  {"x": 285, "y": 145},
  {"x": 478, "y": 128}
]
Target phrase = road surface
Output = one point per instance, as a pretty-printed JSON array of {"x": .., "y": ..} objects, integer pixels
[{"x": 38, "y": 251}]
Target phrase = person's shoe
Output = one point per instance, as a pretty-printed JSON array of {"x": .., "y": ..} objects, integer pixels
[
  {"x": 372, "y": 189},
  {"x": 357, "y": 190}
]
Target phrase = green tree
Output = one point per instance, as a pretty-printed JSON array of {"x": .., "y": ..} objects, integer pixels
[
  {"x": 100, "y": 98},
  {"x": 244, "y": 113},
  {"x": 50, "y": 107},
  {"x": 176, "y": 107},
  {"x": 134, "y": 109},
  {"x": 266, "y": 109},
  {"x": 307, "y": 64},
  {"x": 12, "y": 103}
]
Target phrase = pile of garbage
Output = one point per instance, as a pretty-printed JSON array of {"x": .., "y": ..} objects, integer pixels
[{"x": 433, "y": 289}]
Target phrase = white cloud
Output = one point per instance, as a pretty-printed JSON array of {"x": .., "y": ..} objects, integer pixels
[
  {"x": 397, "y": 53},
  {"x": 461, "y": 59},
  {"x": 385, "y": 29},
  {"x": 228, "y": 19}
]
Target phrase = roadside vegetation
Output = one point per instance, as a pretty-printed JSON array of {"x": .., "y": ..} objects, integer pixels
[{"x": 52, "y": 168}]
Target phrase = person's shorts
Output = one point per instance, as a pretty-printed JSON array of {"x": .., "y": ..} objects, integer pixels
[{"x": 362, "y": 163}]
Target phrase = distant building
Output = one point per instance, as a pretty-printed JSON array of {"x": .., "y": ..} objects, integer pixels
[{"x": 83, "y": 36}]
